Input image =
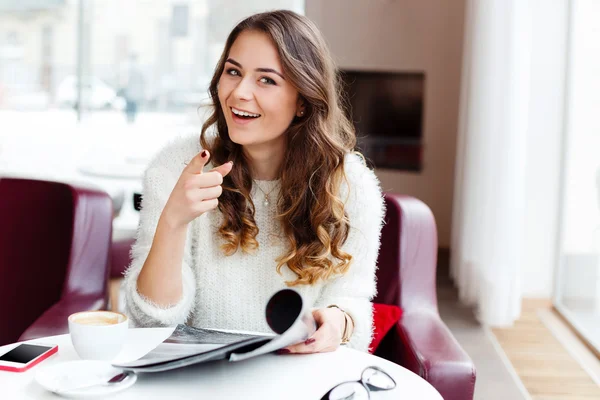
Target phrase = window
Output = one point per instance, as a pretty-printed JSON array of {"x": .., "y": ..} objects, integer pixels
[
  {"x": 145, "y": 68},
  {"x": 577, "y": 294}
]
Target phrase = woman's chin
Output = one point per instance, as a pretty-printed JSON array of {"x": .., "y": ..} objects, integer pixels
[
  {"x": 253, "y": 137},
  {"x": 240, "y": 138}
]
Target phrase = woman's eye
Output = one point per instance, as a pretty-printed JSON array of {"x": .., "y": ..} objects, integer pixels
[
  {"x": 267, "y": 81},
  {"x": 233, "y": 72}
]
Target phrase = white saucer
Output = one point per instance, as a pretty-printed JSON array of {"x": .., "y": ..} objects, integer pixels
[{"x": 70, "y": 374}]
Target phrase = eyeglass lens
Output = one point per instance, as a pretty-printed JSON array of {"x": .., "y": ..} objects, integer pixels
[
  {"x": 349, "y": 391},
  {"x": 377, "y": 379}
]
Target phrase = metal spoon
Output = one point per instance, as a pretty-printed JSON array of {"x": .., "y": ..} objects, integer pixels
[{"x": 120, "y": 377}]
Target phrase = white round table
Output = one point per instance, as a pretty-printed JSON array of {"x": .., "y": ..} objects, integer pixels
[{"x": 269, "y": 376}]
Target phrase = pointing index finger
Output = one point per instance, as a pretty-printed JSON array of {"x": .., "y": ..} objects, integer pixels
[{"x": 196, "y": 166}]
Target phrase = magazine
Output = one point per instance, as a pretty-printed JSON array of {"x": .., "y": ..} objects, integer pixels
[{"x": 286, "y": 314}]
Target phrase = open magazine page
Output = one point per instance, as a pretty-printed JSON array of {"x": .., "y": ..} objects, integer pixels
[
  {"x": 188, "y": 345},
  {"x": 188, "y": 335},
  {"x": 286, "y": 314}
]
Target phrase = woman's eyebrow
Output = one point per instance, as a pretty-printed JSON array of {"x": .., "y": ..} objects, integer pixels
[
  {"x": 237, "y": 64},
  {"x": 270, "y": 70}
]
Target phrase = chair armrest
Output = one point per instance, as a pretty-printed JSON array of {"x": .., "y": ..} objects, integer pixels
[
  {"x": 406, "y": 277},
  {"x": 422, "y": 343},
  {"x": 89, "y": 262},
  {"x": 54, "y": 320}
]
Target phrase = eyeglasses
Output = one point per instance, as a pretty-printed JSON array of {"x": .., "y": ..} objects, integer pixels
[{"x": 372, "y": 379}]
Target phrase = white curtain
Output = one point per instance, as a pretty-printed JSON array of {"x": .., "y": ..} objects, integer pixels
[{"x": 489, "y": 199}]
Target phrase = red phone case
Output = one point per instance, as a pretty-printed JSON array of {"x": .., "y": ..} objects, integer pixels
[{"x": 24, "y": 368}]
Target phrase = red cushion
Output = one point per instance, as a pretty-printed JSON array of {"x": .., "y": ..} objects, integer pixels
[{"x": 385, "y": 317}]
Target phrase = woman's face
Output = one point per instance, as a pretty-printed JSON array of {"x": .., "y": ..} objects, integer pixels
[{"x": 257, "y": 101}]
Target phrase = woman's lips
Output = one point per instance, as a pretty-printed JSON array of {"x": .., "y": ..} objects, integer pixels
[{"x": 242, "y": 121}]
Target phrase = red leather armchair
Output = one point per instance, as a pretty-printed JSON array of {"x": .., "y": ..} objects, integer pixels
[
  {"x": 54, "y": 255},
  {"x": 406, "y": 277}
]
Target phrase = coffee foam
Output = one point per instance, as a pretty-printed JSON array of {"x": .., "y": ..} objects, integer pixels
[{"x": 97, "y": 318}]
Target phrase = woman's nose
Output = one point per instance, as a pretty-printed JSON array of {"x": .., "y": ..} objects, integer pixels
[{"x": 243, "y": 90}]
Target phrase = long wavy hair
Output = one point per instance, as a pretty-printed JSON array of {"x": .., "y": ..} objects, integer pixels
[{"x": 310, "y": 209}]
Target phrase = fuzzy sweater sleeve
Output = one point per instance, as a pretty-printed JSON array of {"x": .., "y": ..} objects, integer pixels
[
  {"x": 159, "y": 180},
  {"x": 354, "y": 290}
]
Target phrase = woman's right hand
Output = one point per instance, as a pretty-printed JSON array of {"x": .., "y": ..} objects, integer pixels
[{"x": 196, "y": 192}]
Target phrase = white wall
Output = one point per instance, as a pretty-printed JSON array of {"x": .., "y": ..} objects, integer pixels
[
  {"x": 546, "y": 109},
  {"x": 408, "y": 35}
]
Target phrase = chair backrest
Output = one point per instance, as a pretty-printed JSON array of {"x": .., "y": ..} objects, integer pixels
[
  {"x": 408, "y": 254},
  {"x": 120, "y": 256},
  {"x": 54, "y": 242}
]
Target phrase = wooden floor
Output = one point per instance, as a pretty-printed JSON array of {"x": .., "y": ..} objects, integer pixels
[{"x": 545, "y": 367}]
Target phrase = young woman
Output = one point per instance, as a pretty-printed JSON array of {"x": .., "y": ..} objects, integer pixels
[{"x": 271, "y": 196}]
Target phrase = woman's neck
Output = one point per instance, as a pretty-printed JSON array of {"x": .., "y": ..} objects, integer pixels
[{"x": 265, "y": 161}]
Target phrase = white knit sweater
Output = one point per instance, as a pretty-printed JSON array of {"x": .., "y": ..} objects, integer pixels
[{"x": 230, "y": 292}]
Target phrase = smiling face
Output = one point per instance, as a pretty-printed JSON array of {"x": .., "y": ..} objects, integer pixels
[{"x": 259, "y": 104}]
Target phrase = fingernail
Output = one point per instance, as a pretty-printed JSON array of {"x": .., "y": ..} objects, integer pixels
[
  {"x": 203, "y": 154},
  {"x": 310, "y": 341},
  {"x": 231, "y": 162},
  {"x": 283, "y": 351}
]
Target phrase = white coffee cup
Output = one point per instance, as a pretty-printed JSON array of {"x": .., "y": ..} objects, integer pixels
[{"x": 98, "y": 335}]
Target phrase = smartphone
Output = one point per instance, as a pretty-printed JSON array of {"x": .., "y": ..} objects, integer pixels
[{"x": 24, "y": 356}]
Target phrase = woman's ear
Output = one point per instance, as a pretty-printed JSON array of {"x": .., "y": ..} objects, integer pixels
[{"x": 300, "y": 108}]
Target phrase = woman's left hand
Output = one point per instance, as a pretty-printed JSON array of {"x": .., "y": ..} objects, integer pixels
[{"x": 330, "y": 323}]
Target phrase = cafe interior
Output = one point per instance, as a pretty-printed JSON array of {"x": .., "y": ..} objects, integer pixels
[{"x": 478, "y": 117}]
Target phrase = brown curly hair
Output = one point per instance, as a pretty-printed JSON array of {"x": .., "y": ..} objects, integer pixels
[{"x": 310, "y": 209}]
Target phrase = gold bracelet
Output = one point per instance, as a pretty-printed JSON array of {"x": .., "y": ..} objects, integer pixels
[{"x": 345, "y": 336}]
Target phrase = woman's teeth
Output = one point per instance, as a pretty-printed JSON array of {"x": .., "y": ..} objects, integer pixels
[{"x": 244, "y": 113}]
